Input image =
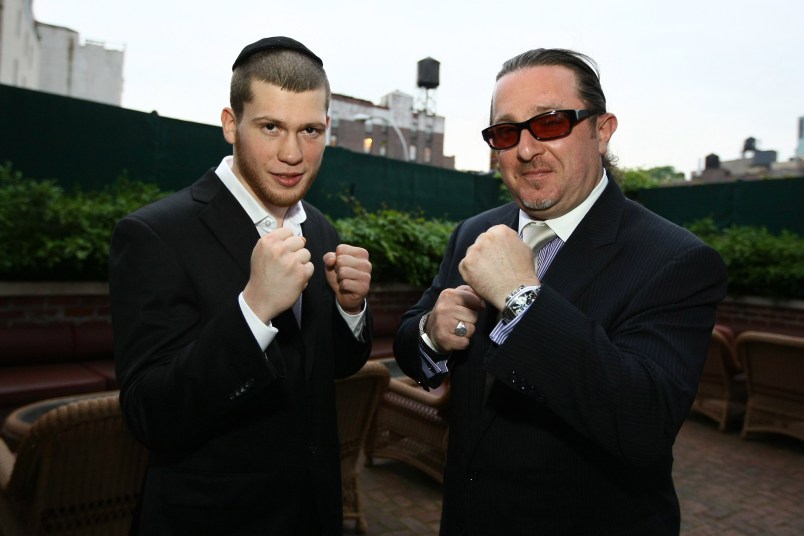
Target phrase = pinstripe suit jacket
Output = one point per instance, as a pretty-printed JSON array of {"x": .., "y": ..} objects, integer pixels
[
  {"x": 241, "y": 440},
  {"x": 591, "y": 387}
]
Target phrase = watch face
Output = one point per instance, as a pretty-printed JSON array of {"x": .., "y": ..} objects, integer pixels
[
  {"x": 522, "y": 300},
  {"x": 518, "y": 305}
]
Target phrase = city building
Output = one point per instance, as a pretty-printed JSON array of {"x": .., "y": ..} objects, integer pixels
[
  {"x": 392, "y": 129},
  {"x": 754, "y": 164},
  {"x": 398, "y": 127},
  {"x": 49, "y": 58},
  {"x": 53, "y": 59}
]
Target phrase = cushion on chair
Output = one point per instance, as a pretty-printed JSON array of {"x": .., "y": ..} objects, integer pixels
[{"x": 21, "y": 385}]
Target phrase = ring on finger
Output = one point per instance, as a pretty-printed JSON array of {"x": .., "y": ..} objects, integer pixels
[{"x": 460, "y": 329}]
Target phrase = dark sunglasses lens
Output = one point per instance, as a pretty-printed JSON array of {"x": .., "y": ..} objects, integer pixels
[
  {"x": 547, "y": 127},
  {"x": 503, "y": 136}
]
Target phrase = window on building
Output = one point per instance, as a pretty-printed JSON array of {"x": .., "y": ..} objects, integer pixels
[
  {"x": 332, "y": 133},
  {"x": 428, "y": 154},
  {"x": 367, "y": 143},
  {"x": 384, "y": 148},
  {"x": 412, "y": 153}
]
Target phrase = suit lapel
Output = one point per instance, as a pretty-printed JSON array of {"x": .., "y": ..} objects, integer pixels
[
  {"x": 591, "y": 246},
  {"x": 312, "y": 306},
  {"x": 487, "y": 319},
  {"x": 226, "y": 219},
  {"x": 229, "y": 223}
]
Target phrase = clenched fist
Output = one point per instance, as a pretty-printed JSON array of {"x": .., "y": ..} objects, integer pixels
[
  {"x": 497, "y": 263},
  {"x": 349, "y": 276},
  {"x": 280, "y": 270}
]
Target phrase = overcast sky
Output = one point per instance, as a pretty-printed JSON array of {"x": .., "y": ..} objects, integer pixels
[{"x": 685, "y": 78}]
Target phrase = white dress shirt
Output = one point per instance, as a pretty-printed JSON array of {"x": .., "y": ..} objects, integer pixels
[{"x": 265, "y": 223}]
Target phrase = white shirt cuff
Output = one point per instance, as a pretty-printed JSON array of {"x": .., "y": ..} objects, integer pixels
[
  {"x": 264, "y": 333},
  {"x": 355, "y": 322}
]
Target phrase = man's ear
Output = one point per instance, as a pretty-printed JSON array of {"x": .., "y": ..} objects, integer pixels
[
  {"x": 229, "y": 124},
  {"x": 606, "y": 126}
]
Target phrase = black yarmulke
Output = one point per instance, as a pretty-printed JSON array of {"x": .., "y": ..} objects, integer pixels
[{"x": 275, "y": 43}]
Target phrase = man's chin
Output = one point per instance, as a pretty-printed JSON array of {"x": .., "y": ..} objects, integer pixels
[{"x": 537, "y": 205}]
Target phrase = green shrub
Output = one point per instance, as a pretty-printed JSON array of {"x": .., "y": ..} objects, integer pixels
[
  {"x": 759, "y": 262},
  {"x": 48, "y": 234},
  {"x": 403, "y": 248}
]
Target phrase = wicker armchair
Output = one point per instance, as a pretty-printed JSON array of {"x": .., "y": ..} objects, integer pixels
[
  {"x": 356, "y": 399},
  {"x": 411, "y": 426},
  {"x": 77, "y": 471},
  {"x": 721, "y": 392},
  {"x": 774, "y": 375}
]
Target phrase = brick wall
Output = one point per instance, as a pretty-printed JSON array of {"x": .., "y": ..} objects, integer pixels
[
  {"x": 80, "y": 303},
  {"x": 762, "y": 315},
  {"x": 25, "y": 304}
]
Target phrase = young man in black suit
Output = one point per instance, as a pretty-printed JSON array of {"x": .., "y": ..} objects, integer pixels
[
  {"x": 572, "y": 365},
  {"x": 235, "y": 307}
]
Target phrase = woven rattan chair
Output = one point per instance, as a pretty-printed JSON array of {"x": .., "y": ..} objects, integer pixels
[
  {"x": 77, "y": 471},
  {"x": 356, "y": 399},
  {"x": 721, "y": 392},
  {"x": 411, "y": 426},
  {"x": 774, "y": 375}
]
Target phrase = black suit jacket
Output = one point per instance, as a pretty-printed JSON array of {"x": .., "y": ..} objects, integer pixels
[
  {"x": 242, "y": 441},
  {"x": 575, "y": 435}
]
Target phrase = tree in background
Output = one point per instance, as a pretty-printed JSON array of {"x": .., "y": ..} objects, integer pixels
[{"x": 632, "y": 179}]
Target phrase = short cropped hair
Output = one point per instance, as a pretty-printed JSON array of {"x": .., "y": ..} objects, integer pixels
[{"x": 287, "y": 69}]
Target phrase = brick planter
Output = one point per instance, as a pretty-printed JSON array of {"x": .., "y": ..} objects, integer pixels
[
  {"x": 761, "y": 314},
  {"x": 88, "y": 302},
  {"x": 47, "y": 303}
]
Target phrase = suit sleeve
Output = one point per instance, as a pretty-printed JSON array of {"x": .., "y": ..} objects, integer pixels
[
  {"x": 178, "y": 372},
  {"x": 407, "y": 348},
  {"x": 626, "y": 382}
]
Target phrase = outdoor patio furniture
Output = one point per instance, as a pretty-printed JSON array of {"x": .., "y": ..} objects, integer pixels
[
  {"x": 77, "y": 470},
  {"x": 721, "y": 391},
  {"x": 411, "y": 426},
  {"x": 356, "y": 399},
  {"x": 774, "y": 373}
]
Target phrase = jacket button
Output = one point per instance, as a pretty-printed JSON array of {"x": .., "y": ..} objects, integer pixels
[{"x": 472, "y": 476}]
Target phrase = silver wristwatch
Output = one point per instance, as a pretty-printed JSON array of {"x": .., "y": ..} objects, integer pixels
[{"x": 518, "y": 301}]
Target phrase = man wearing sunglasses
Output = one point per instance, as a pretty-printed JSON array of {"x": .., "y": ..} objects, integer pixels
[{"x": 573, "y": 365}]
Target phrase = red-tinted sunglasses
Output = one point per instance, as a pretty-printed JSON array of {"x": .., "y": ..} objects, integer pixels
[{"x": 547, "y": 126}]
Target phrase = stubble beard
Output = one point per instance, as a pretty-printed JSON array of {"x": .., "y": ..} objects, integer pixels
[
  {"x": 261, "y": 187},
  {"x": 543, "y": 204}
]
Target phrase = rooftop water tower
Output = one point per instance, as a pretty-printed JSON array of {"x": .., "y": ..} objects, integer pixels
[{"x": 427, "y": 81}]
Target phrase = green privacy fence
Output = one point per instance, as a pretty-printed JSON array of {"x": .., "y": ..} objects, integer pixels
[
  {"x": 774, "y": 203},
  {"x": 90, "y": 144},
  {"x": 376, "y": 182},
  {"x": 80, "y": 142}
]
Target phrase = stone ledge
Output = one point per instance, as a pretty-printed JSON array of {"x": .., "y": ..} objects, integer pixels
[{"x": 54, "y": 288}]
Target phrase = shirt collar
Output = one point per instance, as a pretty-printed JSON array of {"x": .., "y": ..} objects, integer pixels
[
  {"x": 564, "y": 225},
  {"x": 263, "y": 220}
]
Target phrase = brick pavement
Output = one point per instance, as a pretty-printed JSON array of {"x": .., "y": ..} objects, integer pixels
[{"x": 727, "y": 486}]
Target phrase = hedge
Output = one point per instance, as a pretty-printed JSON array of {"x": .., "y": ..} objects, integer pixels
[{"x": 48, "y": 234}]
